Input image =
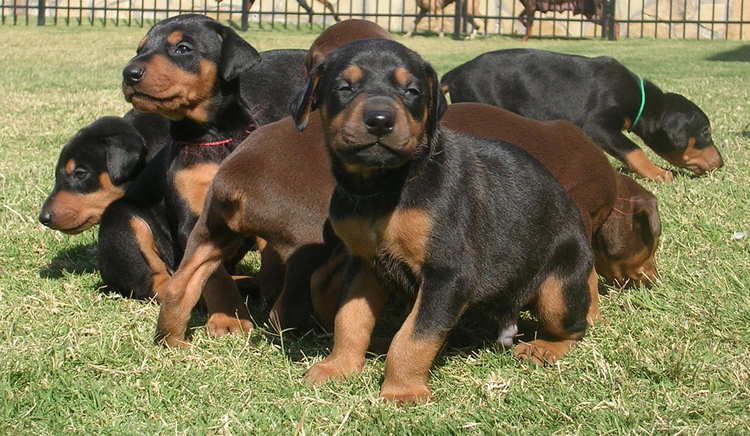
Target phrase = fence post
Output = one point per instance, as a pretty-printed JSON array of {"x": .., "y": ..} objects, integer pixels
[
  {"x": 244, "y": 16},
  {"x": 457, "y": 16},
  {"x": 608, "y": 22},
  {"x": 41, "y": 18}
]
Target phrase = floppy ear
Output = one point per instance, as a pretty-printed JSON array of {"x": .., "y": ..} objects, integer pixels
[
  {"x": 436, "y": 102},
  {"x": 125, "y": 154},
  {"x": 237, "y": 56},
  {"x": 646, "y": 210},
  {"x": 307, "y": 100}
]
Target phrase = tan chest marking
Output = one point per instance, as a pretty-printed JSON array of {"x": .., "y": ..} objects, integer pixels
[
  {"x": 358, "y": 234},
  {"x": 404, "y": 234},
  {"x": 192, "y": 184}
]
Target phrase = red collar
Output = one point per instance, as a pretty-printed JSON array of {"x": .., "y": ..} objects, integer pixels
[{"x": 221, "y": 142}]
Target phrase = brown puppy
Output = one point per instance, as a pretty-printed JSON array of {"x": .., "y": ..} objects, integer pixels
[{"x": 338, "y": 35}]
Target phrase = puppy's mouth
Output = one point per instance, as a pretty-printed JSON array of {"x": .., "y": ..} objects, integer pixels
[
  {"x": 131, "y": 93},
  {"x": 354, "y": 146},
  {"x": 373, "y": 155},
  {"x": 87, "y": 224}
]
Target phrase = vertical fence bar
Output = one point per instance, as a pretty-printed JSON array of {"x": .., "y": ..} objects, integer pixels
[
  {"x": 464, "y": 16},
  {"x": 41, "y": 17},
  {"x": 457, "y": 19},
  {"x": 245, "y": 15},
  {"x": 669, "y": 34},
  {"x": 611, "y": 20},
  {"x": 727, "y": 13},
  {"x": 742, "y": 15},
  {"x": 390, "y": 13},
  {"x": 698, "y": 22},
  {"x": 403, "y": 12},
  {"x": 273, "y": 15},
  {"x": 713, "y": 17},
  {"x": 486, "y": 14},
  {"x": 684, "y": 19}
]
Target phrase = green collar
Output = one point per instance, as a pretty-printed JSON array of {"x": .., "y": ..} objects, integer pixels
[{"x": 640, "y": 110}]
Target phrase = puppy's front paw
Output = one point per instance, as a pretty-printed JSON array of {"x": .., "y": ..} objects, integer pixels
[
  {"x": 541, "y": 352},
  {"x": 328, "y": 369},
  {"x": 221, "y": 324},
  {"x": 406, "y": 394}
]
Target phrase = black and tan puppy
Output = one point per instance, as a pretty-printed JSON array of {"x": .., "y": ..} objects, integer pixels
[
  {"x": 215, "y": 88},
  {"x": 600, "y": 96},
  {"x": 97, "y": 166},
  {"x": 452, "y": 220}
]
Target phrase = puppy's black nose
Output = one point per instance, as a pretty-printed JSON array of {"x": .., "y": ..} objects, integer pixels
[
  {"x": 133, "y": 74},
  {"x": 379, "y": 122},
  {"x": 45, "y": 217}
]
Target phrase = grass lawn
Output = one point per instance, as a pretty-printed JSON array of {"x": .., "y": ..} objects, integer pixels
[{"x": 670, "y": 359}]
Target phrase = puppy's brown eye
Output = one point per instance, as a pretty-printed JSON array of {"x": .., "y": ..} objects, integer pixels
[
  {"x": 80, "y": 173},
  {"x": 183, "y": 48}
]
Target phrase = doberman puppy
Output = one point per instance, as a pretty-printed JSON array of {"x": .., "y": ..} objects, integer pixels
[
  {"x": 411, "y": 198},
  {"x": 215, "y": 88},
  {"x": 189, "y": 69},
  {"x": 272, "y": 188},
  {"x": 620, "y": 217},
  {"x": 97, "y": 166},
  {"x": 600, "y": 96}
]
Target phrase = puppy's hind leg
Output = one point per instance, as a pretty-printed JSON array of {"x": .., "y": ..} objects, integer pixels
[{"x": 563, "y": 301}]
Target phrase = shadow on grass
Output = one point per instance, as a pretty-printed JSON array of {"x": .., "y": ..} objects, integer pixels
[
  {"x": 468, "y": 337},
  {"x": 739, "y": 54},
  {"x": 78, "y": 260}
]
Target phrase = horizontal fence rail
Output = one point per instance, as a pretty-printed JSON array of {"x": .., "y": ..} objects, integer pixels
[{"x": 684, "y": 19}]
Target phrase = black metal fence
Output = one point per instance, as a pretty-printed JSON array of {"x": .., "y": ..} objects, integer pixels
[{"x": 697, "y": 19}]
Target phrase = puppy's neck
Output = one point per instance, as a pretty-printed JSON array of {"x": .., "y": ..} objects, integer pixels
[
  {"x": 369, "y": 182},
  {"x": 228, "y": 119},
  {"x": 376, "y": 192},
  {"x": 649, "y": 127}
]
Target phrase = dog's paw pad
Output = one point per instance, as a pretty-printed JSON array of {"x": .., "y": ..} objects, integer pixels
[
  {"x": 220, "y": 325},
  {"x": 409, "y": 394}
]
